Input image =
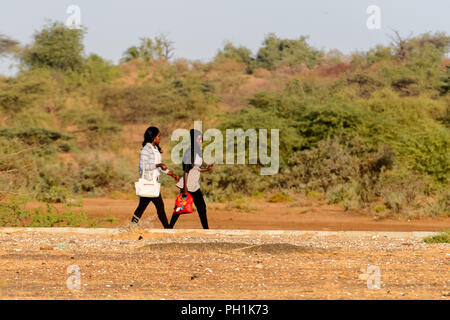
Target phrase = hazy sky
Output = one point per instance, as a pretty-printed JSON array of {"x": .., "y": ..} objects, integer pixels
[{"x": 200, "y": 27}]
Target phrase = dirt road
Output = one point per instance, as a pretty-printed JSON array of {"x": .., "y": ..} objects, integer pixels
[
  {"x": 179, "y": 264},
  {"x": 301, "y": 214}
]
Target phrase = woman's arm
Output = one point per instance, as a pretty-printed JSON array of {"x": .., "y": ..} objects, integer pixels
[
  {"x": 185, "y": 176},
  {"x": 209, "y": 167},
  {"x": 162, "y": 167},
  {"x": 173, "y": 175}
]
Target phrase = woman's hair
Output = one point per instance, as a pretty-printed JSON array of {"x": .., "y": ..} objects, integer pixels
[{"x": 149, "y": 136}]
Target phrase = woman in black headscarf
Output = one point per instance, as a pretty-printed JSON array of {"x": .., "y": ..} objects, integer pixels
[{"x": 190, "y": 182}]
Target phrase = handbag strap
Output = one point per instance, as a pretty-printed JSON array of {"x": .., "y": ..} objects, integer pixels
[
  {"x": 143, "y": 173},
  {"x": 143, "y": 170}
]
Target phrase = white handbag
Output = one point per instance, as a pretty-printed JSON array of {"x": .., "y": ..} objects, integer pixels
[{"x": 147, "y": 188}]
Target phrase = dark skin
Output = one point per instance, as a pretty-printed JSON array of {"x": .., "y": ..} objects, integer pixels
[
  {"x": 157, "y": 140},
  {"x": 198, "y": 141}
]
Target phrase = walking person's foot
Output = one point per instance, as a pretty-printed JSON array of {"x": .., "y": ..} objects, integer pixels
[{"x": 132, "y": 225}]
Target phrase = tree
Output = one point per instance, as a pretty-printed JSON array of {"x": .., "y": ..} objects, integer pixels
[
  {"x": 445, "y": 81},
  {"x": 6, "y": 44},
  {"x": 98, "y": 70},
  {"x": 56, "y": 46},
  {"x": 277, "y": 52},
  {"x": 418, "y": 46},
  {"x": 150, "y": 49},
  {"x": 166, "y": 45},
  {"x": 240, "y": 54},
  {"x": 400, "y": 45}
]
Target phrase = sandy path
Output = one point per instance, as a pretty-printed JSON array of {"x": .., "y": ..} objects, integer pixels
[{"x": 261, "y": 215}]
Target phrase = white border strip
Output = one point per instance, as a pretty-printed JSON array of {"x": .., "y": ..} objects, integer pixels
[{"x": 238, "y": 232}]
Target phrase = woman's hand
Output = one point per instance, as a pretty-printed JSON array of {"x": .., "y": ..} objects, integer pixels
[
  {"x": 162, "y": 166},
  {"x": 174, "y": 176},
  {"x": 210, "y": 166}
]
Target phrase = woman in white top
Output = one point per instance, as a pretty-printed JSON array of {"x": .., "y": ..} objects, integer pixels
[
  {"x": 190, "y": 182},
  {"x": 150, "y": 160}
]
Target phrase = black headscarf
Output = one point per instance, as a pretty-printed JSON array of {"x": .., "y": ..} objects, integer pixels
[{"x": 189, "y": 155}]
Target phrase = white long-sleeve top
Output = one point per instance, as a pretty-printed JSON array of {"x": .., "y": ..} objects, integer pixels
[{"x": 148, "y": 159}]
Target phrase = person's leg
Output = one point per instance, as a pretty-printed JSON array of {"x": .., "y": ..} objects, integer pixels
[
  {"x": 143, "y": 203},
  {"x": 159, "y": 205},
  {"x": 201, "y": 207},
  {"x": 174, "y": 218}
]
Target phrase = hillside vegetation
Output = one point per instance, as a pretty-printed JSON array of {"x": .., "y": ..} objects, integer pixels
[{"x": 368, "y": 131}]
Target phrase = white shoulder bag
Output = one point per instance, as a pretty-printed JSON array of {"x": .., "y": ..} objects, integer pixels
[{"x": 146, "y": 188}]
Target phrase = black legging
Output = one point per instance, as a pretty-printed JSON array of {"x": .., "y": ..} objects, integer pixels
[
  {"x": 159, "y": 205},
  {"x": 201, "y": 209}
]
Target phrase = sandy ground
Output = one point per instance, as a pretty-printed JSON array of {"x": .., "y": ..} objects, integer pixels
[
  {"x": 181, "y": 264},
  {"x": 176, "y": 264}
]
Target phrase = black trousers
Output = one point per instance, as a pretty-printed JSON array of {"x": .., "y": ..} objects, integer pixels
[
  {"x": 159, "y": 205},
  {"x": 201, "y": 209}
]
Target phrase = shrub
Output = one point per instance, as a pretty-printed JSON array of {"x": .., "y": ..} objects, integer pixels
[
  {"x": 339, "y": 193},
  {"x": 225, "y": 181},
  {"x": 441, "y": 206},
  {"x": 443, "y": 237},
  {"x": 241, "y": 205},
  {"x": 26, "y": 90},
  {"x": 34, "y": 136},
  {"x": 239, "y": 54},
  {"x": 56, "y": 194},
  {"x": 280, "y": 197},
  {"x": 314, "y": 195},
  {"x": 318, "y": 125},
  {"x": 96, "y": 70},
  {"x": 97, "y": 176},
  {"x": 13, "y": 215},
  {"x": 165, "y": 103},
  {"x": 317, "y": 169},
  {"x": 277, "y": 52},
  {"x": 430, "y": 154}
]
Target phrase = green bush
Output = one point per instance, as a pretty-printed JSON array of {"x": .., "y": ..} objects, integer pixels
[
  {"x": 99, "y": 177},
  {"x": 277, "y": 52},
  {"x": 430, "y": 154},
  {"x": 56, "y": 194},
  {"x": 443, "y": 237},
  {"x": 239, "y": 54},
  {"x": 29, "y": 88},
  {"x": 318, "y": 125},
  {"x": 96, "y": 70},
  {"x": 225, "y": 181},
  {"x": 164, "y": 103},
  {"x": 340, "y": 193},
  {"x": 441, "y": 206},
  {"x": 34, "y": 136},
  {"x": 240, "y": 204},
  {"x": 12, "y": 215},
  {"x": 280, "y": 197}
]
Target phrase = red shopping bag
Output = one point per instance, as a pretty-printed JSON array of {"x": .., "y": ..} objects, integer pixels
[{"x": 183, "y": 203}]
